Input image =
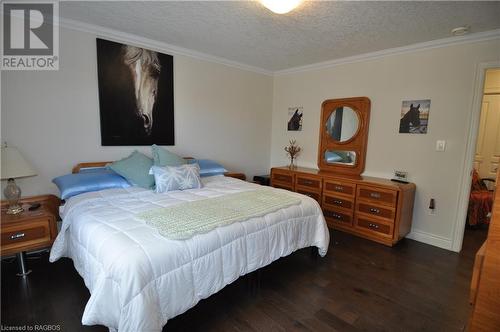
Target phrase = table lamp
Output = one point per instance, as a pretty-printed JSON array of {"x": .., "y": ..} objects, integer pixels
[{"x": 14, "y": 166}]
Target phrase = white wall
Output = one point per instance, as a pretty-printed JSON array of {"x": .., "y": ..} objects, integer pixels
[
  {"x": 225, "y": 114},
  {"x": 444, "y": 75},
  {"x": 52, "y": 117}
]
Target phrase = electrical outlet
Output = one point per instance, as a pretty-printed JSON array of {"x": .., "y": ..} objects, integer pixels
[
  {"x": 432, "y": 207},
  {"x": 440, "y": 145}
]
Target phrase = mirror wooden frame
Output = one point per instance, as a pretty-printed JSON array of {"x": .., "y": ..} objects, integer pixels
[{"x": 358, "y": 143}]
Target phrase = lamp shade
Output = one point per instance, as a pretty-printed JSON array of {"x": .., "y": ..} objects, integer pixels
[{"x": 14, "y": 165}]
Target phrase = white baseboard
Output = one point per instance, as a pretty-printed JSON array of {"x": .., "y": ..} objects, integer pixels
[{"x": 433, "y": 240}]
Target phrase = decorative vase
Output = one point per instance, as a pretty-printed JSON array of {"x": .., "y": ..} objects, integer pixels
[{"x": 292, "y": 163}]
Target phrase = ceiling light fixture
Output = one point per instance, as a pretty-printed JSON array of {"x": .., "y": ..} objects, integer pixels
[
  {"x": 280, "y": 6},
  {"x": 460, "y": 31}
]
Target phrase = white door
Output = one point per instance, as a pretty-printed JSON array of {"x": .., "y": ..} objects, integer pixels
[{"x": 487, "y": 156}]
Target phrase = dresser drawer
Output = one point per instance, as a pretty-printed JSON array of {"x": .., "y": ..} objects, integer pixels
[
  {"x": 334, "y": 186},
  {"x": 312, "y": 194},
  {"x": 338, "y": 202},
  {"x": 309, "y": 182},
  {"x": 281, "y": 185},
  {"x": 381, "y": 211},
  {"x": 337, "y": 217},
  {"x": 32, "y": 234},
  {"x": 379, "y": 195},
  {"x": 282, "y": 176},
  {"x": 375, "y": 227}
]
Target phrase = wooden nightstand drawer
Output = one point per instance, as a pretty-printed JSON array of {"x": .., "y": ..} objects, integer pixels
[
  {"x": 26, "y": 235},
  {"x": 29, "y": 230}
]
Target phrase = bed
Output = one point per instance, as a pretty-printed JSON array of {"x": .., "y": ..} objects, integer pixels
[{"x": 138, "y": 279}]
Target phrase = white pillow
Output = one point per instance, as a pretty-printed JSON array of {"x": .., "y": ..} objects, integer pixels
[{"x": 169, "y": 178}]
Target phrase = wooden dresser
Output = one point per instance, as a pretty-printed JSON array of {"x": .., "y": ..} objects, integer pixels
[{"x": 374, "y": 208}]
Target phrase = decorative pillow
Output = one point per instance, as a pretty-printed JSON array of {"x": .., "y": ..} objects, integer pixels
[
  {"x": 135, "y": 168},
  {"x": 99, "y": 179},
  {"x": 163, "y": 157},
  {"x": 170, "y": 178},
  {"x": 208, "y": 167}
]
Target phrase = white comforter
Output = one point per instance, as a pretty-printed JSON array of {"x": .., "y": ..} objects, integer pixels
[{"x": 138, "y": 279}]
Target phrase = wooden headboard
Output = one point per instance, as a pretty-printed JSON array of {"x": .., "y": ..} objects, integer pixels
[{"x": 78, "y": 167}]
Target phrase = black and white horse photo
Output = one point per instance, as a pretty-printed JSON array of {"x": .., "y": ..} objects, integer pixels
[
  {"x": 295, "y": 122},
  {"x": 414, "y": 117},
  {"x": 135, "y": 95}
]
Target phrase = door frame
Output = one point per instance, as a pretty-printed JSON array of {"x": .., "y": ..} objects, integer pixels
[{"x": 470, "y": 150}]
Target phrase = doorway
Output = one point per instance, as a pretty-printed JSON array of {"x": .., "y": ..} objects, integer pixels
[{"x": 482, "y": 153}]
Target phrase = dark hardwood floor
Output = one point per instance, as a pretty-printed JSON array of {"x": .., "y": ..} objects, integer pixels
[{"x": 358, "y": 286}]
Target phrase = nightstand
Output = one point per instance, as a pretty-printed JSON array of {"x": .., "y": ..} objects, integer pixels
[{"x": 29, "y": 230}]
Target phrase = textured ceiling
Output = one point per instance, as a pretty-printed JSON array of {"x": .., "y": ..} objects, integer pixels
[{"x": 246, "y": 32}]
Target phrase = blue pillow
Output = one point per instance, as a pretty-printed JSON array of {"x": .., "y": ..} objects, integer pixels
[
  {"x": 135, "y": 168},
  {"x": 163, "y": 157},
  {"x": 208, "y": 167},
  {"x": 74, "y": 184}
]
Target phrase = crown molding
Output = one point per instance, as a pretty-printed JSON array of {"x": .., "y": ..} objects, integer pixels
[
  {"x": 438, "y": 43},
  {"x": 120, "y": 36},
  {"x": 124, "y": 37}
]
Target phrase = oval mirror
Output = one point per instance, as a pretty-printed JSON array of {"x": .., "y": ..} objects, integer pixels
[
  {"x": 340, "y": 157},
  {"x": 342, "y": 124}
]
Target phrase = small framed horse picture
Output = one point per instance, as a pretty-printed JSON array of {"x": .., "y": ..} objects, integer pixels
[
  {"x": 136, "y": 95},
  {"x": 414, "y": 116},
  {"x": 295, "y": 118}
]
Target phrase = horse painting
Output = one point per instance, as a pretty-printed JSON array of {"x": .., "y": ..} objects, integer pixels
[
  {"x": 295, "y": 122},
  {"x": 135, "y": 95},
  {"x": 145, "y": 69},
  {"x": 410, "y": 120}
]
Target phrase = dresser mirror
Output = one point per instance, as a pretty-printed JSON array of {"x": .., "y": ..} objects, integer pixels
[
  {"x": 340, "y": 157},
  {"x": 342, "y": 124},
  {"x": 344, "y": 135}
]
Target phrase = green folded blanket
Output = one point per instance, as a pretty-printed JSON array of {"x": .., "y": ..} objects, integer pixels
[{"x": 184, "y": 220}]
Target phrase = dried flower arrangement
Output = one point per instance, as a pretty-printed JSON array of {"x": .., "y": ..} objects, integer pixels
[{"x": 292, "y": 150}]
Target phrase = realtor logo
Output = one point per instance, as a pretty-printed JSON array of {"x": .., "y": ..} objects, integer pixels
[{"x": 30, "y": 38}]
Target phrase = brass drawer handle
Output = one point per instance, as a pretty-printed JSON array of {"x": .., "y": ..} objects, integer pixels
[
  {"x": 375, "y": 195},
  {"x": 373, "y": 226},
  {"x": 338, "y": 202},
  {"x": 373, "y": 210},
  {"x": 339, "y": 188},
  {"x": 17, "y": 236},
  {"x": 307, "y": 181}
]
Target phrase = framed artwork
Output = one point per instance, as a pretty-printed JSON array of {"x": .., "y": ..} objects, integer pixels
[
  {"x": 136, "y": 95},
  {"x": 414, "y": 116},
  {"x": 295, "y": 118}
]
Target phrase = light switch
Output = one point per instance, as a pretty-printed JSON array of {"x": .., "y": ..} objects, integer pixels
[{"x": 440, "y": 145}]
